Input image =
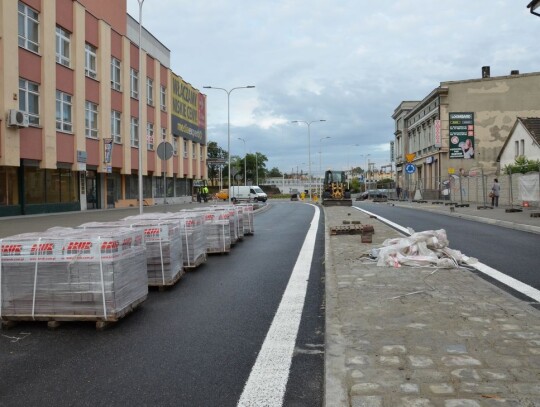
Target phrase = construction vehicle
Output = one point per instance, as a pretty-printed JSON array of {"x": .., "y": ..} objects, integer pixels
[{"x": 335, "y": 189}]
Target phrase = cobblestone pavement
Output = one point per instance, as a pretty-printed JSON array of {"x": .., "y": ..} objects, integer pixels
[{"x": 420, "y": 336}]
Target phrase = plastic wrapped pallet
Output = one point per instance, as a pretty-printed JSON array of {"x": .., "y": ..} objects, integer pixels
[
  {"x": 72, "y": 274},
  {"x": 217, "y": 231},
  {"x": 193, "y": 237},
  {"x": 249, "y": 227},
  {"x": 164, "y": 257},
  {"x": 239, "y": 209}
]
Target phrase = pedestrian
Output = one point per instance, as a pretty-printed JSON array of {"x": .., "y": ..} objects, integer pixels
[
  {"x": 205, "y": 193},
  {"x": 495, "y": 191},
  {"x": 398, "y": 192}
]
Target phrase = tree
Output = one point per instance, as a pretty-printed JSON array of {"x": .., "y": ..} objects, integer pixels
[
  {"x": 522, "y": 165},
  {"x": 215, "y": 152},
  {"x": 274, "y": 173},
  {"x": 255, "y": 164}
]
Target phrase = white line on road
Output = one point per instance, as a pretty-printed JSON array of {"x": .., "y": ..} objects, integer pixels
[
  {"x": 268, "y": 378},
  {"x": 511, "y": 282}
]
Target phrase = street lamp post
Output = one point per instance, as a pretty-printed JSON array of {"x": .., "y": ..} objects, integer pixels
[
  {"x": 140, "y": 111},
  {"x": 320, "y": 165},
  {"x": 366, "y": 171},
  {"x": 309, "y": 148},
  {"x": 245, "y": 160},
  {"x": 229, "y": 127},
  {"x": 535, "y": 7},
  {"x": 256, "y": 169}
]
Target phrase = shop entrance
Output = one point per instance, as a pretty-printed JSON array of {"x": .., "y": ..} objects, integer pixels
[{"x": 92, "y": 190}]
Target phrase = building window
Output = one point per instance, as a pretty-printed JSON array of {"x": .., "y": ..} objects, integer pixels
[
  {"x": 90, "y": 64},
  {"x": 116, "y": 126},
  {"x": 91, "y": 120},
  {"x": 64, "y": 120},
  {"x": 175, "y": 145},
  {"x": 115, "y": 74},
  {"x": 28, "y": 28},
  {"x": 63, "y": 39},
  {"x": 134, "y": 132},
  {"x": 150, "y": 136},
  {"x": 29, "y": 100},
  {"x": 134, "y": 83},
  {"x": 516, "y": 149},
  {"x": 185, "y": 149},
  {"x": 149, "y": 92},
  {"x": 163, "y": 98},
  {"x": 193, "y": 150},
  {"x": 522, "y": 143},
  {"x": 201, "y": 149}
]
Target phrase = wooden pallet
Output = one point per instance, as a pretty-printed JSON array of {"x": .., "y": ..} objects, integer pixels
[
  {"x": 54, "y": 321},
  {"x": 168, "y": 283},
  {"x": 196, "y": 263},
  {"x": 535, "y": 214}
]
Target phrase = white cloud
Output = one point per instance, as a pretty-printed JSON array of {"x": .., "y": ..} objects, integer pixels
[{"x": 350, "y": 62}]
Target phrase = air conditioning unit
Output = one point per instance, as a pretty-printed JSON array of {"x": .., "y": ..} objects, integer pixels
[{"x": 17, "y": 118}]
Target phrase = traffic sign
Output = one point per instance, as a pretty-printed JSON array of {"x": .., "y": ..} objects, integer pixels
[
  {"x": 410, "y": 157},
  {"x": 410, "y": 168}
]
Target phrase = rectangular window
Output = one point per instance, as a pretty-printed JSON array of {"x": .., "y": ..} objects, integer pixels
[
  {"x": 185, "y": 149},
  {"x": 522, "y": 143},
  {"x": 90, "y": 61},
  {"x": 134, "y": 132},
  {"x": 163, "y": 98},
  {"x": 63, "y": 39},
  {"x": 64, "y": 121},
  {"x": 175, "y": 145},
  {"x": 91, "y": 120},
  {"x": 28, "y": 28},
  {"x": 134, "y": 83},
  {"x": 149, "y": 92},
  {"x": 163, "y": 133},
  {"x": 29, "y": 100},
  {"x": 115, "y": 74},
  {"x": 193, "y": 150},
  {"x": 516, "y": 149},
  {"x": 150, "y": 136},
  {"x": 116, "y": 126}
]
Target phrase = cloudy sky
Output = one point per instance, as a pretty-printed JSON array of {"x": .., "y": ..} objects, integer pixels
[{"x": 349, "y": 62}]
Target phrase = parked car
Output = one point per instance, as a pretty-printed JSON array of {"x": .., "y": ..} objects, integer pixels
[
  {"x": 223, "y": 194},
  {"x": 372, "y": 193}
]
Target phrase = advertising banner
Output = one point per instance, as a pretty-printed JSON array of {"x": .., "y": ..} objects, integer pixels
[
  {"x": 107, "y": 145},
  {"x": 438, "y": 135},
  {"x": 461, "y": 133},
  {"x": 188, "y": 116}
]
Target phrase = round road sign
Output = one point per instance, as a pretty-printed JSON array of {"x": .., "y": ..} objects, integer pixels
[
  {"x": 410, "y": 168},
  {"x": 164, "y": 150}
]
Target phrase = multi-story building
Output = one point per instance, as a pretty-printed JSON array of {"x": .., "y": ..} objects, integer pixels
[
  {"x": 460, "y": 126},
  {"x": 70, "y": 130}
]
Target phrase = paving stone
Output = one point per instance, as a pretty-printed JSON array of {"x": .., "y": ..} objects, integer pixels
[
  {"x": 365, "y": 388},
  {"x": 441, "y": 388},
  {"x": 389, "y": 360},
  {"x": 415, "y": 402},
  {"x": 526, "y": 388},
  {"x": 429, "y": 376},
  {"x": 534, "y": 351},
  {"x": 483, "y": 388},
  {"x": 456, "y": 349},
  {"x": 461, "y": 403},
  {"x": 393, "y": 350},
  {"x": 357, "y": 374},
  {"x": 419, "y": 361},
  {"x": 366, "y": 401},
  {"x": 461, "y": 360},
  {"x": 494, "y": 374},
  {"x": 409, "y": 388},
  {"x": 359, "y": 360},
  {"x": 466, "y": 374}
]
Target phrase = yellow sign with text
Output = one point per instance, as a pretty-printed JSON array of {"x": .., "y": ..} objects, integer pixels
[{"x": 451, "y": 170}]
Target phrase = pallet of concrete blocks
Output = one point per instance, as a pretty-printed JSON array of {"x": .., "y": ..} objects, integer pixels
[
  {"x": 68, "y": 274},
  {"x": 164, "y": 257},
  {"x": 240, "y": 220},
  {"x": 217, "y": 231},
  {"x": 193, "y": 237},
  {"x": 249, "y": 227},
  {"x": 228, "y": 212}
]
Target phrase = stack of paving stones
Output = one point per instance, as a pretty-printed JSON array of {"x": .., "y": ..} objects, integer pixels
[{"x": 420, "y": 337}]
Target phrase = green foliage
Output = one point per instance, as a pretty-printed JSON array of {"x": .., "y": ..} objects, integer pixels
[
  {"x": 274, "y": 173},
  {"x": 522, "y": 165}
]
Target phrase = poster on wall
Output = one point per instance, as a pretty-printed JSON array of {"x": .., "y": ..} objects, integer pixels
[
  {"x": 461, "y": 134},
  {"x": 188, "y": 116}
]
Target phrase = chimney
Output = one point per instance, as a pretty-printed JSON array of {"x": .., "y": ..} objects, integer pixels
[
  {"x": 485, "y": 72},
  {"x": 514, "y": 72}
]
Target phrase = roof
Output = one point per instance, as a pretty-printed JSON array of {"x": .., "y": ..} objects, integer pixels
[{"x": 532, "y": 125}]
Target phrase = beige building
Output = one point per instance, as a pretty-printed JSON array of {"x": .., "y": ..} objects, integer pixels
[
  {"x": 460, "y": 126},
  {"x": 70, "y": 129}
]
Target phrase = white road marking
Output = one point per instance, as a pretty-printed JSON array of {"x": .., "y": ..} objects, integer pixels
[
  {"x": 268, "y": 378},
  {"x": 511, "y": 282}
]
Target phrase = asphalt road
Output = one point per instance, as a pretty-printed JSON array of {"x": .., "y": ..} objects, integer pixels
[
  {"x": 192, "y": 345},
  {"x": 512, "y": 252}
]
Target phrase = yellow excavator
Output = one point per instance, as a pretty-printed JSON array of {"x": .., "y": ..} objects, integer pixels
[{"x": 335, "y": 189}]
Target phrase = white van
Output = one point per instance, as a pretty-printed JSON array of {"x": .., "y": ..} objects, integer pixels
[{"x": 248, "y": 192}]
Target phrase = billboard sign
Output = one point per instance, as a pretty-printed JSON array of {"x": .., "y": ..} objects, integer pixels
[
  {"x": 107, "y": 145},
  {"x": 188, "y": 115},
  {"x": 461, "y": 134},
  {"x": 438, "y": 135}
]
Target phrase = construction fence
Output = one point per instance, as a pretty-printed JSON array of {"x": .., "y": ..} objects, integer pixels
[{"x": 521, "y": 190}]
